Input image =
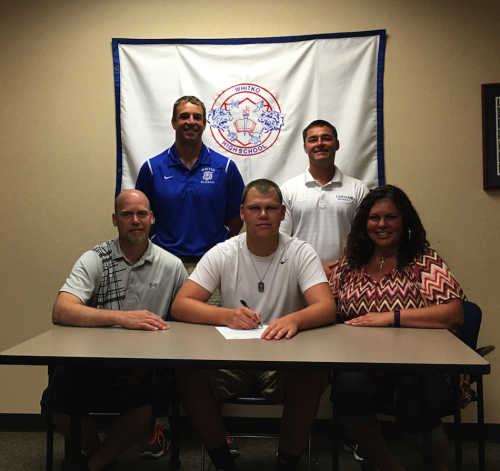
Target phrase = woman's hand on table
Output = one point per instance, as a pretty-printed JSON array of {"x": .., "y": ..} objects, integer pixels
[{"x": 373, "y": 319}]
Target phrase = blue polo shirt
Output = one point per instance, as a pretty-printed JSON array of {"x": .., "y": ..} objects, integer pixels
[{"x": 191, "y": 206}]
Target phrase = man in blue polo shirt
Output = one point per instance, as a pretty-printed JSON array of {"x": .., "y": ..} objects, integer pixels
[{"x": 195, "y": 195}]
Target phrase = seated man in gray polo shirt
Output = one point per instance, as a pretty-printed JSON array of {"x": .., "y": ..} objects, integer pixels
[{"x": 128, "y": 282}]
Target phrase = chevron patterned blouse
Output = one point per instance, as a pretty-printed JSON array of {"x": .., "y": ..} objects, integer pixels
[{"x": 425, "y": 282}]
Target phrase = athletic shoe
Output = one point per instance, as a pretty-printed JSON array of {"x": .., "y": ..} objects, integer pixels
[
  {"x": 360, "y": 456},
  {"x": 233, "y": 447},
  {"x": 157, "y": 445}
]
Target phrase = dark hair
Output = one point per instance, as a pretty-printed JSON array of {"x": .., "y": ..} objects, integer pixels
[
  {"x": 189, "y": 99},
  {"x": 316, "y": 124},
  {"x": 262, "y": 185},
  {"x": 360, "y": 247}
]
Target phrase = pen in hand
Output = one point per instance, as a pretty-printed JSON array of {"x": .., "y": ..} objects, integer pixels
[{"x": 244, "y": 304}]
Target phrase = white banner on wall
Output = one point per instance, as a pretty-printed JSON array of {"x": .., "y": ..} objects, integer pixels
[{"x": 260, "y": 94}]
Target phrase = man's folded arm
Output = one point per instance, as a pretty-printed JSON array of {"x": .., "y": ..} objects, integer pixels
[{"x": 70, "y": 310}]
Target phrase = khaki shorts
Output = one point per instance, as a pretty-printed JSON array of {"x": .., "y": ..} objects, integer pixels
[
  {"x": 230, "y": 383},
  {"x": 215, "y": 298}
]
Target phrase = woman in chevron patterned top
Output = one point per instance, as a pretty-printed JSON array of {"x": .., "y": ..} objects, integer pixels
[{"x": 390, "y": 276}]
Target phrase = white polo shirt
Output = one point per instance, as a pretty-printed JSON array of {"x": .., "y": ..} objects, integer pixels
[{"x": 322, "y": 214}]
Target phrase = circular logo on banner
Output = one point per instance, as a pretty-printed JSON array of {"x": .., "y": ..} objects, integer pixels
[{"x": 246, "y": 119}]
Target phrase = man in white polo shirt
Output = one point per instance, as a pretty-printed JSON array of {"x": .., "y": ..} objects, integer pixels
[{"x": 321, "y": 203}]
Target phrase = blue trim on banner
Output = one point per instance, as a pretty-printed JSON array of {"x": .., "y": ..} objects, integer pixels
[
  {"x": 380, "y": 108},
  {"x": 283, "y": 39},
  {"x": 119, "y": 150}
]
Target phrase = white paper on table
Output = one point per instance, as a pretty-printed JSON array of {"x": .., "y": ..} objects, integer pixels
[{"x": 232, "y": 334}]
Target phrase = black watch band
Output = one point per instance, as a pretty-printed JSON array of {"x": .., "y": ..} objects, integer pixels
[{"x": 397, "y": 317}]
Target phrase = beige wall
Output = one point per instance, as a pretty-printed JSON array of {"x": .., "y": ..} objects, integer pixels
[{"x": 57, "y": 136}]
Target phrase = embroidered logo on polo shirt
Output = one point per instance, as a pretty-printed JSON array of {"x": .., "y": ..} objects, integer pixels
[
  {"x": 153, "y": 285},
  {"x": 348, "y": 199},
  {"x": 207, "y": 175}
]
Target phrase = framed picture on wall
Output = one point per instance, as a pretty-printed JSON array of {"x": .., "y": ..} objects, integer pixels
[{"x": 490, "y": 93}]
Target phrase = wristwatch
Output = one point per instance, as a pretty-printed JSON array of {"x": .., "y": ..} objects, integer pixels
[{"x": 397, "y": 317}]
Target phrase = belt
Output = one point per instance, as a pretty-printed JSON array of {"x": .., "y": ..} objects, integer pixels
[{"x": 190, "y": 259}]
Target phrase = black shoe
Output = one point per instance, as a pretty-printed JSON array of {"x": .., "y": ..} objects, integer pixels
[{"x": 157, "y": 445}]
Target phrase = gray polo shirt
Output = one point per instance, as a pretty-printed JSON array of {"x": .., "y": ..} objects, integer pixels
[{"x": 105, "y": 279}]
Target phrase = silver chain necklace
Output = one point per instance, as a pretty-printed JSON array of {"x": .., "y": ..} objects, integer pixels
[
  {"x": 382, "y": 259},
  {"x": 260, "y": 284}
]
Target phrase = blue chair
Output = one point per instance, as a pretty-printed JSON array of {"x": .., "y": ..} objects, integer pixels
[{"x": 469, "y": 333}]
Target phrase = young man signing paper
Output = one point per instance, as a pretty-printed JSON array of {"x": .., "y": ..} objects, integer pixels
[{"x": 282, "y": 280}]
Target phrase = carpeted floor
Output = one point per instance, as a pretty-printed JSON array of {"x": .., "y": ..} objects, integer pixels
[{"x": 25, "y": 451}]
